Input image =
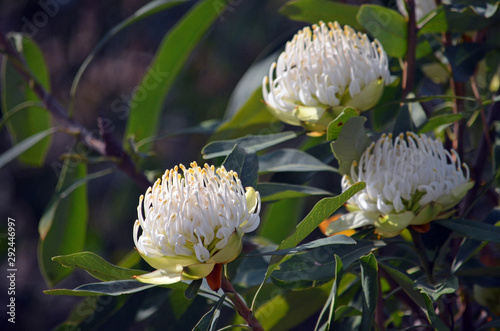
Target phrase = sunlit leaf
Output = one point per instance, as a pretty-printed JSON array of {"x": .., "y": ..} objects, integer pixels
[
  {"x": 351, "y": 143},
  {"x": 96, "y": 266},
  {"x": 279, "y": 191},
  {"x": 336, "y": 125},
  {"x": 114, "y": 288},
  {"x": 313, "y": 11},
  {"x": 289, "y": 159},
  {"x": 209, "y": 320},
  {"x": 387, "y": 25},
  {"x": 369, "y": 283},
  {"x": 63, "y": 225},
  {"x": 250, "y": 143},
  {"x": 146, "y": 105}
]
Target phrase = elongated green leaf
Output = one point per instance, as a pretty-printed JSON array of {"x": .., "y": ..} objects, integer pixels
[
  {"x": 33, "y": 120},
  {"x": 336, "y": 125},
  {"x": 246, "y": 165},
  {"x": 171, "y": 55},
  {"x": 96, "y": 266},
  {"x": 288, "y": 159},
  {"x": 387, "y": 25},
  {"x": 339, "y": 239},
  {"x": 436, "y": 322},
  {"x": 63, "y": 225},
  {"x": 249, "y": 143},
  {"x": 114, "y": 288},
  {"x": 318, "y": 265},
  {"x": 350, "y": 144},
  {"x": 209, "y": 320},
  {"x": 450, "y": 285},
  {"x": 437, "y": 121},
  {"x": 435, "y": 22},
  {"x": 318, "y": 214},
  {"x": 313, "y": 11},
  {"x": 192, "y": 289},
  {"x": 369, "y": 283},
  {"x": 406, "y": 284},
  {"x": 332, "y": 299},
  {"x": 468, "y": 248},
  {"x": 252, "y": 117},
  {"x": 24, "y": 145},
  {"x": 473, "y": 229},
  {"x": 147, "y": 10},
  {"x": 279, "y": 191}
]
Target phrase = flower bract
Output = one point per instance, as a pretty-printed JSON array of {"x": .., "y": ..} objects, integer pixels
[
  {"x": 410, "y": 180},
  {"x": 323, "y": 70},
  {"x": 193, "y": 221}
]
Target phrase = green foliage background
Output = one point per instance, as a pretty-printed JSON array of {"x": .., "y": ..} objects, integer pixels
[{"x": 168, "y": 82}]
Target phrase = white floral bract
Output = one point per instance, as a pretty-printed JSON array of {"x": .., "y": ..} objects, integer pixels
[
  {"x": 323, "y": 68},
  {"x": 408, "y": 182},
  {"x": 194, "y": 221}
]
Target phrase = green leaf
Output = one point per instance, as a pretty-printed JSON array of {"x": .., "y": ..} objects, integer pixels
[
  {"x": 114, "y": 288},
  {"x": 192, "y": 289},
  {"x": 369, "y": 283},
  {"x": 246, "y": 165},
  {"x": 288, "y": 310},
  {"x": 439, "y": 120},
  {"x": 250, "y": 143},
  {"x": 146, "y": 105},
  {"x": 387, "y": 109},
  {"x": 473, "y": 229},
  {"x": 317, "y": 265},
  {"x": 280, "y": 218},
  {"x": 313, "y": 11},
  {"x": 318, "y": 214},
  {"x": 406, "y": 284},
  {"x": 279, "y": 191},
  {"x": 289, "y": 159},
  {"x": 337, "y": 124},
  {"x": 468, "y": 248},
  {"x": 339, "y": 239},
  {"x": 32, "y": 120},
  {"x": 252, "y": 117},
  {"x": 332, "y": 299},
  {"x": 436, "y": 322},
  {"x": 97, "y": 266},
  {"x": 24, "y": 145},
  {"x": 450, "y": 285},
  {"x": 209, "y": 321},
  {"x": 387, "y": 25},
  {"x": 435, "y": 22},
  {"x": 63, "y": 225},
  {"x": 350, "y": 144},
  {"x": 145, "y": 11}
]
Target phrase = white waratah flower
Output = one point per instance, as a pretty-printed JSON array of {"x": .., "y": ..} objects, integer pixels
[
  {"x": 193, "y": 222},
  {"x": 422, "y": 8},
  {"x": 409, "y": 181},
  {"x": 321, "y": 72}
]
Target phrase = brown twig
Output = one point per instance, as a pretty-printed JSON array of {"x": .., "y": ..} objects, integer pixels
[
  {"x": 240, "y": 305},
  {"x": 409, "y": 66},
  {"x": 105, "y": 147}
]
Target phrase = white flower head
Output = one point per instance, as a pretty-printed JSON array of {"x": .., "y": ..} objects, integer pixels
[
  {"x": 422, "y": 8},
  {"x": 193, "y": 221},
  {"x": 322, "y": 71},
  {"x": 408, "y": 182}
]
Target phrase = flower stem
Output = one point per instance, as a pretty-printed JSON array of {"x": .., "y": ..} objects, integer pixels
[
  {"x": 409, "y": 68},
  {"x": 240, "y": 305},
  {"x": 424, "y": 260}
]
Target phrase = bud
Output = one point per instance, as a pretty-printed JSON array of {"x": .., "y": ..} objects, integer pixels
[
  {"x": 409, "y": 181},
  {"x": 321, "y": 72},
  {"x": 193, "y": 222}
]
